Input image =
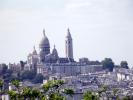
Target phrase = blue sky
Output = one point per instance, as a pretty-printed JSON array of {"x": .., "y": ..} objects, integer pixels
[{"x": 100, "y": 28}]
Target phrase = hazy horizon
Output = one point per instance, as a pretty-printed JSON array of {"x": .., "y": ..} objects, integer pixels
[{"x": 99, "y": 28}]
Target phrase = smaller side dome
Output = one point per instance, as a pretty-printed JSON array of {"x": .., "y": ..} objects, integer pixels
[
  {"x": 34, "y": 51},
  {"x": 54, "y": 52}
]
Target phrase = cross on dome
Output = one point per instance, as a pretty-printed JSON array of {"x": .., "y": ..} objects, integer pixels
[
  {"x": 68, "y": 30},
  {"x": 44, "y": 32},
  {"x": 34, "y": 48},
  {"x": 54, "y": 46}
]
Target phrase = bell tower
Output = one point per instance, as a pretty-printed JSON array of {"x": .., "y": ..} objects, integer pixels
[{"x": 69, "y": 45}]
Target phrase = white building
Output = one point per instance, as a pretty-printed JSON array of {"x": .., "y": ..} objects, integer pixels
[{"x": 46, "y": 62}]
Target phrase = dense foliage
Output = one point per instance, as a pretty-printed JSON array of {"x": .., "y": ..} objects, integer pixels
[
  {"x": 54, "y": 90},
  {"x": 108, "y": 64},
  {"x": 124, "y": 64},
  {"x": 28, "y": 74}
]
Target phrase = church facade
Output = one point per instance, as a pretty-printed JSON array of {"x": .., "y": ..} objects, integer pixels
[{"x": 46, "y": 62}]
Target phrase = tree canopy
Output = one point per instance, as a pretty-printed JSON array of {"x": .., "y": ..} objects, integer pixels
[
  {"x": 124, "y": 64},
  {"x": 108, "y": 64},
  {"x": 28, "y": 75}
]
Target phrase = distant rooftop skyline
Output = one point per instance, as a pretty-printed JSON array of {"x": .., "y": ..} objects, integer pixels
[{"x": 100, "y": 28}]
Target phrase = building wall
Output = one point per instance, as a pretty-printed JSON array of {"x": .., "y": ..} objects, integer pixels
[{"x": 72, "y": 70}]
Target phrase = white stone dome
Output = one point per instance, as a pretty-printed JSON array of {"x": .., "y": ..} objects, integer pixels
[
  {"x": 44, "y": 42},
  {"x": 34, "y": 51},
  {"x": 54, "y": 52}
]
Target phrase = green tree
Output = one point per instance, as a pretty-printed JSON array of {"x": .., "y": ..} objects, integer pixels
[
  {"x": 1, "y": 85},
  {"x": 53, "y": 85},
  {"x": 4, "y": 68},
  {"x": 47, "y": 86},
  {"x": 124, "y": 64},
  {"x": 69, "y": 92},
  {"x": 27, "y": 93},
  {"x": 90, "y": 96},
  {"x": 22, "y": 64},
  {"x": 35, "y": 93},
  {"x": 127, "y": 98},
  {"x": 56, "y": 96},
  {"x": 16, "y": 83},
  {"x": 28, "y": 75},
  {"x": 30, "y": 93},
  {"x": 52, "y": 89},
  {"x": 13, "y": 95},
  {"x": 115, "y": 93},
  {"x": 43, "y": 97},
  {"x": 108, "y": 64},
  {"x": 104, "y": 90}
]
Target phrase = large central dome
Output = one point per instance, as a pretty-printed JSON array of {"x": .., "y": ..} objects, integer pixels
[
  {"x": 44, "y": 47},
  {"x": 44, "y": 42}
]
